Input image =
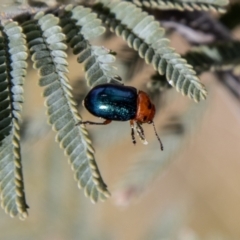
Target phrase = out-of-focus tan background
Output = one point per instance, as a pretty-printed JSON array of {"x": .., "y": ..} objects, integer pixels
[{"x": 196, "y": 196}]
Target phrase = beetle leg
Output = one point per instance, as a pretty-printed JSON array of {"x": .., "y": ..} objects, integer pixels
[
  {"x": 140, "y": 133},
  {"x": 132, "y": 131},
  {"x": 94, "y": 123}
]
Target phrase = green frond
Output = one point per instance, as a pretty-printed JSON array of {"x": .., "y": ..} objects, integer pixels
[
  {"x": 220, "y": 56},
  {"x": 148, "y": 167},
  {"x": 189, "y": 5},
  {"x": 13, "y": 55},
  {"x": 98, "y": 68},
  {"x": 81, "y": 25},
  {"x": 214, "y": 57},
  {"x": 146, "y": 36},
  {"x": 49, "y": 58}
]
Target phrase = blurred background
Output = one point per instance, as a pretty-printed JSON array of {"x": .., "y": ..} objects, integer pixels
[{"x": 190, "y": 191}]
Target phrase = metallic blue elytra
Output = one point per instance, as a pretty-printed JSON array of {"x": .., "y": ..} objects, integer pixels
[{"x": 112, "y": 102}]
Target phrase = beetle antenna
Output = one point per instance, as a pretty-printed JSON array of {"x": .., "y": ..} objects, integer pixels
[{"x": 161, "y": 145}]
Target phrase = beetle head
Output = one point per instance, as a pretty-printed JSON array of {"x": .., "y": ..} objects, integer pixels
[{"x": 145, "y": 108}]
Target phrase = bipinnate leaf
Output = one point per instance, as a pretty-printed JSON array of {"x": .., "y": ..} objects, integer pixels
[
  {"x": 80, "y": 26},
  {"x": 50, "y": 58},
  {"x": 13, "y": 55},
  {"x": 181, "y": 5},
  {"x": 145, "y": 35}
]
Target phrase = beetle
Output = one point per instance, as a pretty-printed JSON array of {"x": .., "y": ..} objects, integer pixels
[{"x": 115, "y": 102}]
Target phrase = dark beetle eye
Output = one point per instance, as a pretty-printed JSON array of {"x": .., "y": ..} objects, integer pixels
[
  {"x": 145, "y": 118},
  {"x": 149, "y": 105}
]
